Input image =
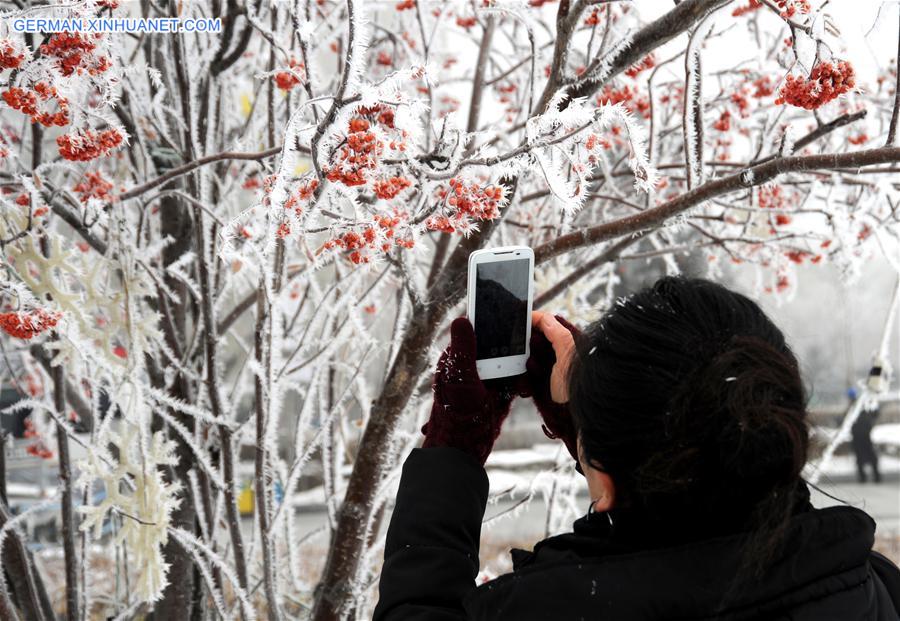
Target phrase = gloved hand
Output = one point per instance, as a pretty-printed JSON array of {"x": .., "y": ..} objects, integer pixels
[
  {"x": 553, "y": 339},
  {"x": 467, "y": 412}
]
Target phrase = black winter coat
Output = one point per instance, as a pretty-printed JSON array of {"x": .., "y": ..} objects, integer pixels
[{"x": 825, "y": 571}]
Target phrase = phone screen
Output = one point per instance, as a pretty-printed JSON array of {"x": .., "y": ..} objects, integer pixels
[{"x": 501, "y": 308}]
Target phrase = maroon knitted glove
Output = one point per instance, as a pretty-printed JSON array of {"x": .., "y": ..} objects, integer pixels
[
  {"x": 466, "y": 413},
  {"x": 557, "y": 420}
]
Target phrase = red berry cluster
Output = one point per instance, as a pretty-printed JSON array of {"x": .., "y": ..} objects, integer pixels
[
  {"x": 93, "y": 186},
  {"x": 26, "y": 325},
  {"x": 633, "y": 101},
  {"x": 506, "y": 91},
  {"x": 389, "y": 188},
  {"x": 74, "y": 53},
  {"x": 858, "y": 139},
  {"x": 10, "y": 58},
  {"x": 450, "y": 104},
  {"x": 787, "y": 8},
  {"x": 38, "y": 448},
  {"x": 826, "y": 82},
  {"x": 593, "y": 19},
  {"x": 268, "y": 185},
  {"x": 379, "y": 113},
  {"x": 21, "y": 100},
  {"x": 594, "y": 142},
  {"x": 782, "y": 219},
  {"x": 772, "y": 197},
  {"x": 797, "y": 256},
  {"x": 380, "y": 236},
  {"x": 286, "y": 80},
  {"x": 26, "y": 102},
  {"x": 465, "y": 22},
  {"x": 468, "y": 201},
  {"x": 763, "y": 87},
  {"x": 384, "y": 59},
  {"x": 439, "y": 223},
  {"x": 85, "y": 145},
  {"x": 647, "y": 62},
  {"x": 724, "y": 122},
  {"x": 475, "y": 201},
  {"x": 405, "y": 5},
  {"x": 304, "y": 192},
  {"x": 358, "y": 156},
  {"x": 782, "y": 283},
  {"x": 748, "y": 8}
]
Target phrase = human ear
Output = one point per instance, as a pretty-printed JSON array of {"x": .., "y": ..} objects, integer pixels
[
  {"x": 602, "y": 488},
  {"x": 600, "y": 485}
]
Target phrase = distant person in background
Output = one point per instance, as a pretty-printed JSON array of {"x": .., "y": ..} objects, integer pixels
[{"x": 861, "y": 433}]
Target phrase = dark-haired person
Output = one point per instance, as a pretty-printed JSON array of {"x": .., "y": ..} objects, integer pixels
[
  {"x": 685, "y": 410},
  {"x": 863, "y": 448}
]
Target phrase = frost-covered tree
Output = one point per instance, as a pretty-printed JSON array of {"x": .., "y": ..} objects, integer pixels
[{"x": 250, "y": 242}]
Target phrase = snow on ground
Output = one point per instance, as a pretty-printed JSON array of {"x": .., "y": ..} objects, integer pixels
[
  {"x": 887, "y": 434},
  {"x": 845, "y": 465}
]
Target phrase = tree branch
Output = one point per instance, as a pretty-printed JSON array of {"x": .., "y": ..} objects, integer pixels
[
  {"x": 755, "y": 175},
  {"x": 188, "y": 167},
  {"x": 652, "y": 36},
  {"x": 610, "y": 254}
]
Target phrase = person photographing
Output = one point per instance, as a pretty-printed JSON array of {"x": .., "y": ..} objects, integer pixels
[{"x": 684, "y": 408}]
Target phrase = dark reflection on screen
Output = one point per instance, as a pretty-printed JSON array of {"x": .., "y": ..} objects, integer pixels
[{"x": 501, "y": 306}]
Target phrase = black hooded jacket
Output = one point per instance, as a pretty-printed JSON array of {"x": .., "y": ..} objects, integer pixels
[{"x": 825, "y": 570}]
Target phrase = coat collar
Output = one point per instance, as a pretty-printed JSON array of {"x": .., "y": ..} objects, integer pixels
[
  {"x": 624, "y": 530},
  {"x": 576, "y": 575}
]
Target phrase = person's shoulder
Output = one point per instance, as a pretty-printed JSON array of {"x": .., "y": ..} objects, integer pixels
[{"x": 888, "y": 574}]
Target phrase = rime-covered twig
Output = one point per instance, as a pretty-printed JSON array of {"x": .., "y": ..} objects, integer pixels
[
  {"x": 895, "y": 111},
  {"x": 29, "y": 586},
  {"x": 821, "y": 131},
  {"x": 754, "y": 175},
  {"x": 262, "y": 469},
  {"x": 692, "y": 115},
  {"x": 211, "y": 345},
  {"x": 610, "y": 254},
  {"x": 178, "y": 171}
]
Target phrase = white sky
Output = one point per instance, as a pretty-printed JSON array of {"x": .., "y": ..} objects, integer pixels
[{"x": 868, "y": 33}]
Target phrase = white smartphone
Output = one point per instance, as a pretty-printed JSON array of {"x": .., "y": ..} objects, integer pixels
[{"x": 501, "y": 289}]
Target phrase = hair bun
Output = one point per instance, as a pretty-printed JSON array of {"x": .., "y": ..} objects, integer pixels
[{"x": 755, "y": 394}]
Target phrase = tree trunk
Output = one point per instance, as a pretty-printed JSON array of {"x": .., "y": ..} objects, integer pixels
[
  {"x": 73, "y": 598},
  {"x": 178, "y": 594}
]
